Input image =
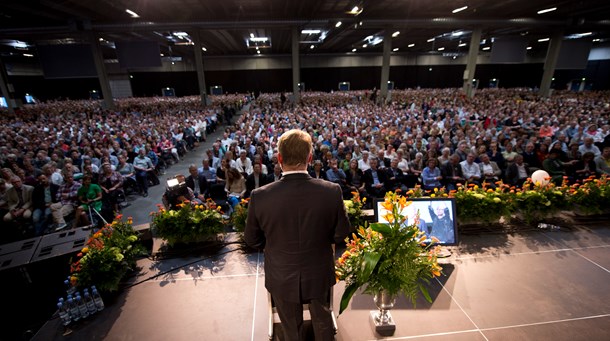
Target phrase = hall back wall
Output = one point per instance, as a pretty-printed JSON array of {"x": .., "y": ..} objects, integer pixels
[{"x": 318, "y": 79}]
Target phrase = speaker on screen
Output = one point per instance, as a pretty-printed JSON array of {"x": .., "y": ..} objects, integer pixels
[
  {"x": 138, "y": 54},
  {"x": 67, "y": 61},
  {"x": 509, "y": 50},
  {"x": 573, "y": 55}
]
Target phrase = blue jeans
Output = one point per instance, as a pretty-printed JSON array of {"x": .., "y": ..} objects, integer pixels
[{"x": 41, "y": 218}]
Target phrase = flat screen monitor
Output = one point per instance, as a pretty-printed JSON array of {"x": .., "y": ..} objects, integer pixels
[
  {"x": 436, "y": 217},
  {"x": 29, "y": 99},
  {"x": 3, "y": 103}
]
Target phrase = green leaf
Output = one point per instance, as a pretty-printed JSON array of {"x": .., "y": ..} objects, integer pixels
[
  {"x": 347, "y": 296},
  {"x": 384, "y": 229},
  {"x": 424, "y": 291},
  {"x": 368, "y": 265}
]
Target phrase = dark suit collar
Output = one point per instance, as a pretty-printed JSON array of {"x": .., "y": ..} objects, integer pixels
[{"x": 295, "y": 176}]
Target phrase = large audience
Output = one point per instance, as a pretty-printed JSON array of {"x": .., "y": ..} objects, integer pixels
[
  {"x": 431, "y": 138},
  {"x": 60, "y": 159}
]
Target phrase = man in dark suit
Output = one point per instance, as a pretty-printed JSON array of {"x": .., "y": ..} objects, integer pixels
[
  {"x": 296, "y": 220},
  {"x": 197, "y": 183},
  {"x": 375, "y": 179},
  {"x": 255, "y": 180}
]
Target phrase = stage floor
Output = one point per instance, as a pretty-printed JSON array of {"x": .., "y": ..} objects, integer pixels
[{"x": 552, "y": 285}]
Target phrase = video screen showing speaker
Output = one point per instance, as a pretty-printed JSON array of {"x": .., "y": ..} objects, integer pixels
[{"x": 437, "y": 217}]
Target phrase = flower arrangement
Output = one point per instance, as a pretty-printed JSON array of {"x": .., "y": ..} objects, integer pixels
[
  {"x": 590, "y": 197},
  {"x": 240, "y": 215},
  {"x": 390, "y": 257},
  {"x": 536, "y": 201},
  {"x": 481, "y": 204},
  {"x": 354, "y": 209},
  {"x": 107, "y": 256},
  {"x": 189, "y": 224}
]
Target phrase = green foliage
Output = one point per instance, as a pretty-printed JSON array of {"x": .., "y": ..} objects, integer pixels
[
  {"x": 108, "y": 255},
  {"x": 388, "y": 257},
  {"x": 191, "y": 223}
]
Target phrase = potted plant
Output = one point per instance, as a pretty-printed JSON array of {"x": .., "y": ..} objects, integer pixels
[
  {"x": 387, "y": 259},
  {"x": 107, "y": 256},
  {"x": 191, "y": 223}
]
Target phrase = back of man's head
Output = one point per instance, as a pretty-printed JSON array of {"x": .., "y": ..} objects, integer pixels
[{"x": 295, "y": 147}]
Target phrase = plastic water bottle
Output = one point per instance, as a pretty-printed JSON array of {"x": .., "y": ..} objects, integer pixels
[
  {"x": 74, "y": 311},
  {"x": 99, "y": 303},
  {"x": 64, "y": 313},
  {"x": 89, "y": 302},
  {"x": 69, "y": 288},
  {"x": 82, "y": 307}
]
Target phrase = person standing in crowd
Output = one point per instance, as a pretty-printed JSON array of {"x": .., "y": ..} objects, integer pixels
[
  {"x": 298, "y": 244},
  {"x": 142, "y": 166}
]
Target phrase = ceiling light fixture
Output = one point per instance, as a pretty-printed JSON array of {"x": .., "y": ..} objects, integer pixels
[
  {"x": 355, "y": 10},
  {"x": 542, "y": 11},
  {"x": 251, "y": 35},
  {"x": 258, "y": 51},
  {"x": 311, "y": 47},
  {"x": 457, "y": 33},
  {"x": 261, "y": 39},
  {"x": 338, "y": 24},
  {"x": 311, "y": 31},
  {"x": 204, "y": 49},
  {"x": 364, "y": 45},
  {"x": 585, "y": 34},
  {"x": 596, "y": 40},
  {"x": 441, "y": 49},
  {"x": 528, "y": 48},
  {"x": 410, "y": 45},
  {"x": 543, "y": 40},
  {"x": 181, "y": 34},
  {"x": 395, "y": 49},
  {"x": 395, "y": 34},
  {"x": 430, "y": 40},
  {"x": 360, "y": 23},
  {"x": 462, "y": 45},
  {"x": 28, "y": 55},
  {"x": 354, "y": 50},
  {"x": 459, "y": 9},
  {"x": 486, "y": 48},
  {"x": 162, "y": 55},
  {"x": 132, "y": 13}
]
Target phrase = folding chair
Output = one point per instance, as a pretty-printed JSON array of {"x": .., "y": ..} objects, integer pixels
[{"x": 274, "y": 318}]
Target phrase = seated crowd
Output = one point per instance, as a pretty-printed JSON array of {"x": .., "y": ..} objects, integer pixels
[
  {"x": 67, "y": 162},
  {"x": 431, "y": 138}
]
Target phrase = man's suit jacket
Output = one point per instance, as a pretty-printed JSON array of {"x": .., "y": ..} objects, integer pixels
[
  {"x": 12, "y": 198},
  {"x": 38, "y": 195},
  {"x": 262, "y": 181},
  {"x": 203, "y": 184},
  {"x": 296, "y": 220},
  {"x": 368, "y": 178}
]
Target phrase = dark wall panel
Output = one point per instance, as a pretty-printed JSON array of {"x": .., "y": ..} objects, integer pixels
[
  {"x": 138, "y": 54},
  {"x": 597, "y": 74},
  {"x": 67, "y": 61}
]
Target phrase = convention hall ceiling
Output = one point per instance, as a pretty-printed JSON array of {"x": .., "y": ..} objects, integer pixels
[{"x": 245, "y": 27}]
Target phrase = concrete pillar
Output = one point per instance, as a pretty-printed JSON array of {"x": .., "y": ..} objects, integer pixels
[
  {"x": 98, "y": 58},
  {"x": 4, "y": 87},
  {"x": 471, "y": 64},
  {"x": 385, "y": 65},
  {"x": 550, "y": 63},
  {"x": 199, "y": 66},
  {"x": 296, "y": 66}
]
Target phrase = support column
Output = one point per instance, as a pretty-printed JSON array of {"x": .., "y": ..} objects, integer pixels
[
  {"x": 296, "y": 66},
  {"x": 98, "y": 58},
  {"x": 471, "y": 64},
  {"x": 4, "y": 87},
  {"x": 199, "y": 67},
  {"x": 550, "y": 63},
  {"x": 385, "y": 65}
]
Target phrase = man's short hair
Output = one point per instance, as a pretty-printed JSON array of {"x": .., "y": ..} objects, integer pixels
[{"x": 295, "y": 147}]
